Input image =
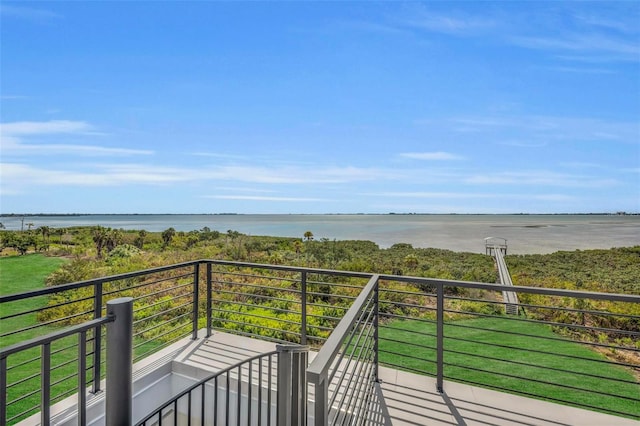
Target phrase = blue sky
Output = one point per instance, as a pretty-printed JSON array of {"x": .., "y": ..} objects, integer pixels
[{"x": 320, "y": 107}]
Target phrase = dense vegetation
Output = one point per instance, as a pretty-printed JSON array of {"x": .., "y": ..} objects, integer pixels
[{"x": 99, "y": 251}]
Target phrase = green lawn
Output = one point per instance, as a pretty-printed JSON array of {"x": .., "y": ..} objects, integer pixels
[
  {"x": 19, "y": 274},
  {"x": 464, "y": 359}
]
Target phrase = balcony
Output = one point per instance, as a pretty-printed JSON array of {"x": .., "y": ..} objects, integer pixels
[{"x": 256, "y": 344}]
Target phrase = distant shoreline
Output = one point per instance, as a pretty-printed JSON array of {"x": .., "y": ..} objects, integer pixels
[{"x": 316, "y": 214}]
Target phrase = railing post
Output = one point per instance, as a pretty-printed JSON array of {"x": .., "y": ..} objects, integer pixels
[
  {"x": 303, "y": 308},
  {"x": 320, "y": 411},
  {"x": 440, "y": 337},
  {"x": 119, "y": 392},
  {"x": 209, "y": 307},
  {"x": 45, "y": 384},
  {"x": 376, "y": 299},
  {"x": 82, "y": 378},
  {"x": 292, "y": 385},
  {"x": 196, "y": 280},
  {"x": 97, "y": 337},
  {"x": 3, "y": 391}
]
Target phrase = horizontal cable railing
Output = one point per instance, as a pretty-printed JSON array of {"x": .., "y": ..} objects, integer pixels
[
  {"x": 279, "y": 304},
  {"x": 567, "y": 347}
]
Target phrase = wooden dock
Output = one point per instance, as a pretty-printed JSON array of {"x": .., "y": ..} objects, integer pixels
[{"x": 497, "y": 247}]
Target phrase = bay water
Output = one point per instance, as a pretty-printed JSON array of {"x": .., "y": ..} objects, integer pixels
[{"x": 524, "y": 233}]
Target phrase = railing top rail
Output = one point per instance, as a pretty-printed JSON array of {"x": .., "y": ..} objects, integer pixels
[
  {"x": 447, "y": 283},
  {"x": 48, "y": 338},
  {"x": 317, "y": 371},
  {"x": 407, "y": 279},
  {"x": 616, "y": 297}
]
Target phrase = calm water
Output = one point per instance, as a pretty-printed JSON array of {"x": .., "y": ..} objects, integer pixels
[{"x": 525, "y": 233}]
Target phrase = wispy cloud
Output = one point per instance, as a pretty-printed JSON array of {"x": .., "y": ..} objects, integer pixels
[
  {"x": 218, "y": 155},
  {"x": 471, "y": 195},
  {"x": 13, "y": 139},
  {"x": 19, "y": 175},
  {"x": 581, "y": 70},
  {"x": 236, "y": 189},
  {"x": 541, "y": 178},
  {"x": 30, "y": 13},
  {"x": 12, "y": 97},
  {"x": 581, "y": 165},
  {"x": 76, "y": 150},
  {"x": 421, "y": 17},
  {"x": 434, "y": 195},
  {"x": 623, "y": 24},
  {"x": 265, "y": 198},
  {"x": 133, "y": 174},
  {"x": 296, "y": 174},
  {"x": 431, "y": 156},
  {"x": 20, "y": 128},
  {"x": 602, "y": 46},
  {"x": 548, "y": 128}
]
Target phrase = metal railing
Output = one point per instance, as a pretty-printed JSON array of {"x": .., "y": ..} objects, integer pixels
[
  {"x": 166, "y": 302},
  {"x": 575, "y": 348},
  {"x": 266, "y": 389},
  {"x": 119, "y": 393},
  {"x": 344, "y": 372}
]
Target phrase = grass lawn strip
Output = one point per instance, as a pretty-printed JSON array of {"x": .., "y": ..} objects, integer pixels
[
  {"x": 418, "y": 337},
  {"x": 19, "y": 274}
]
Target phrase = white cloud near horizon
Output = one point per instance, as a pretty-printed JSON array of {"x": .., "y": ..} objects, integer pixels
[
  {"x": 438, "y": 155},
  {"x": 473, "y": 195},
  {"x": 541, "y": 178},
  {"x": 544, "y": 127},
  {"x": 265, "y": 198},
  {"x": 129, "y": 174}
]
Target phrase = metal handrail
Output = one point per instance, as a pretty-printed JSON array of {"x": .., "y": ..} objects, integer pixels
[
  {"x": 290, "y": 398},
  {"x": 319, "y": 367},
  {"x": 119, "y": 313},
  {"x": 318, "y": 372},
  {"x": 173, "y": 400},
  {"x": 51, "y": 337}
]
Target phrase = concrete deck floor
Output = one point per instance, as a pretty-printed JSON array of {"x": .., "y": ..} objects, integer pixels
[{"x": 410, "y": 399}]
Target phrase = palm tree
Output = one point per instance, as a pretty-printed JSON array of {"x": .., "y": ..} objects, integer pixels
[
  {"x": 99, "y": 235},
  {"x": 140, "y": 239},
  {"x": 114, "y": 237},
  {"x": 45, "y": 231},
  {"x": 308, "y": 236},
  {"x": 167, "y": 236}
]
